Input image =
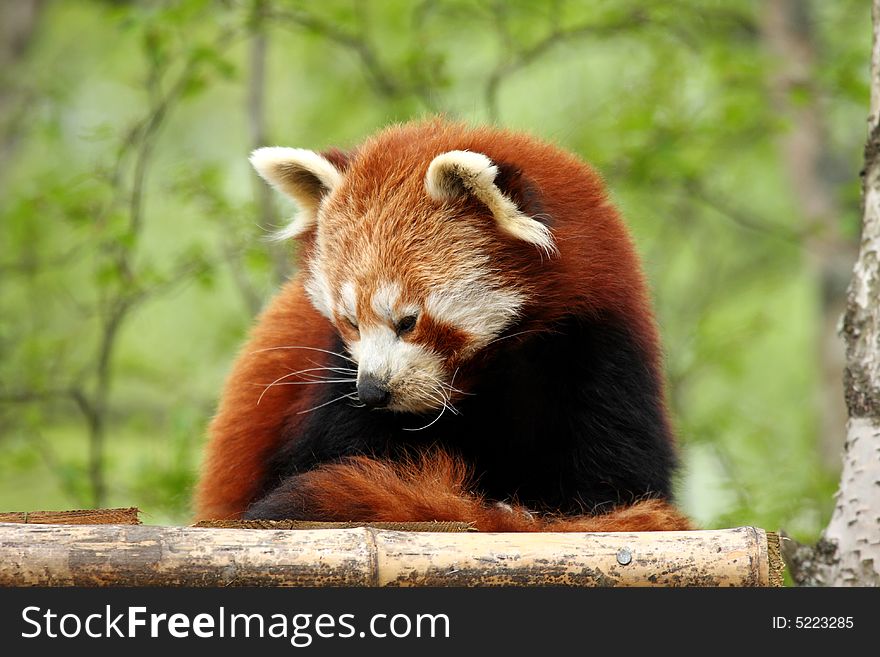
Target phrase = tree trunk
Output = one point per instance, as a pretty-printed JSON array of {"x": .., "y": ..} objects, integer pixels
[
  {"x": 849, "y": 552},
  {"x": 256, "y": 111},
  {"x": 18, "y": 24}
]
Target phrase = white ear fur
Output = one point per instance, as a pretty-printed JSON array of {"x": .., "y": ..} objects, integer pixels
[
  {"x": 301, "y": 174},
  {"x": 456, "y": 173}
]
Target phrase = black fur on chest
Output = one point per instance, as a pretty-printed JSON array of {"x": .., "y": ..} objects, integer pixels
[{"x": 569, "y": 421}]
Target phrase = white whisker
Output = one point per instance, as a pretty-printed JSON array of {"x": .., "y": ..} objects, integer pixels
[
  {"x": 335, "y": 399},
  {"x": 442, "y": 410},
  {"x": 309, "y": 383},
  {"x": 298, "y": 373},
  {"x": 346, "y": 370},
  {"x": 448, "y": 388},
  {"x": 443, "y": 399},
  {"x": 325, "y": 351},
  {"x": 513, "y": 335},
  {"x": 321, "y": 377}
]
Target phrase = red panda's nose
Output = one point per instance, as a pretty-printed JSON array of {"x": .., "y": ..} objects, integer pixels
[{"x": 372, "y": 392}]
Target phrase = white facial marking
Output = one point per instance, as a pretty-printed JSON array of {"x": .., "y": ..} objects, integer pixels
[
  {"x": 410, "y": 371},
  {"x": 474, "y": 306},
  {"x": 348, "y": 300},
  {"x": 384, "y": 299},
  {"x": 377, "y": 354},
  {"x": 318, "y": 288}
]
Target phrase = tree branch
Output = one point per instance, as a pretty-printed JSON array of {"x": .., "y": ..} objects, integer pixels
[
  {"x": 557, "y": 36},
  {"x": 381, "y": 79}
]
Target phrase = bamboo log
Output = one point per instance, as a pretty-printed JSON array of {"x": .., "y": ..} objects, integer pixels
[{"x": 118, "y": 555}]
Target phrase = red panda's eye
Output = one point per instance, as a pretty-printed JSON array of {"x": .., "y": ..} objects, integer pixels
[
  {"x": 406, "y": 325},
  {"x": 351, "y": 324}
]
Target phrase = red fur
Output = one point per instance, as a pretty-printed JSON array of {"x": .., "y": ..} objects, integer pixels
[
  {"x": 438, "y": 488},
  {"x": 597, "y": 267},
  {"x": 245, "y": 434}
]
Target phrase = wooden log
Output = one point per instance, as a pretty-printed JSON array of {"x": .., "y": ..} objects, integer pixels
[
  {"x": 127, "y": 516},
  {"x": 56, "y": 555},
  {"x": 431, "y": 526}
]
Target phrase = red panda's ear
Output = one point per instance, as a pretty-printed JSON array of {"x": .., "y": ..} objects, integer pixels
[
  {"x": 303, "y": 175},
  {"x": 459, "y": 173}
]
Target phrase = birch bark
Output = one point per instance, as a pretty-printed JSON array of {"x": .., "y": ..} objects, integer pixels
[{"x": 849, "y": 554}]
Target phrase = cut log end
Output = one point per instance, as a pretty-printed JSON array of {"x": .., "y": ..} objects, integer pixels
[{"x": 775, "y": 562}]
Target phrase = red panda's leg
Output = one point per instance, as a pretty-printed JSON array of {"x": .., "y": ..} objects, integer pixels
[
  {"x": 362, "y": 489},
  {"x": 246, "y": 431}
]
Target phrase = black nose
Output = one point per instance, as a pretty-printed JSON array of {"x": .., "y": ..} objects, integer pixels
[{"x": 372, "y": 392}]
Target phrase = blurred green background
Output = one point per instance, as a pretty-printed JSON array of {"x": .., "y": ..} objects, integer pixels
[{"x": 134, "y": 253}]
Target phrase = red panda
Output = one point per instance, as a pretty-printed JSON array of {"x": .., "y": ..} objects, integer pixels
[{"x": 469, "y": 338}]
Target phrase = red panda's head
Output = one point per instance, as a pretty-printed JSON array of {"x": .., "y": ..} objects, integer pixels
[{"x": 409, "y": 256}]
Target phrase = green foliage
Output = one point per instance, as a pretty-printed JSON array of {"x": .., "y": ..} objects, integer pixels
[{"x": 127, "y": 195}]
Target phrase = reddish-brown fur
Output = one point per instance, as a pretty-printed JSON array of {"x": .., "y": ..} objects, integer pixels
[
  {"x": 380, "y": 180},
  {"x": 247, "y": 427},
  {"x": 437, "y": 487},
  {"x": 246, "y": 433}
]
